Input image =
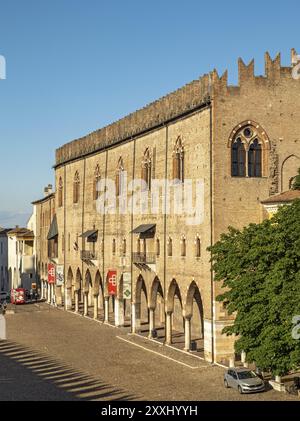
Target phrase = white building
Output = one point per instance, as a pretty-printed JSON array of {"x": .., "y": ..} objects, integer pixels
[
  {"x": 21, "y": 258},
  {"x": 4, "y": 274}
]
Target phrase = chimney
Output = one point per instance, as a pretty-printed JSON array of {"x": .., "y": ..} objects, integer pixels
[{"x": 46, "y": 191}]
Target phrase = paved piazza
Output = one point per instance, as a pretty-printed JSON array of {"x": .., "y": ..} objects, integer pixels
[{"x": 54, "y": 355}]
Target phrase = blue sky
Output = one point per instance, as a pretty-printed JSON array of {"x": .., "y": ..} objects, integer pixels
[{"x": 74, "y": 66}]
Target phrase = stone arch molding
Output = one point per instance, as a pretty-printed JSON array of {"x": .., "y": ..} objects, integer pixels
[
  {"x": 289, "y": 168},
  {"x": 258, "y": 131}
]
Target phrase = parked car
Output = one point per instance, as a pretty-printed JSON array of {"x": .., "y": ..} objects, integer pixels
[{"x": 244, "y": 380}]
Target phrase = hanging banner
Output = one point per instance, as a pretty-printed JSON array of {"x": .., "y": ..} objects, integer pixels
[
  {"x": 59, "y": 275},
  {"x": 127, "y": 286},
  {"x": 51, "y": 273},
  {"x": 112, "y": 282}
]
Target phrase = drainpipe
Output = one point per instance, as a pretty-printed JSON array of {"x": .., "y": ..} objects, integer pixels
[
  {"x": 165, "y": 231},
  {"x": 211, "y": 238}
]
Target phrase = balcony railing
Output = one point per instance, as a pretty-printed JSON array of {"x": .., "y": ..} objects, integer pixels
[
  {"x": 88, "y": 255},
  {"x": 144, "y": 258}
]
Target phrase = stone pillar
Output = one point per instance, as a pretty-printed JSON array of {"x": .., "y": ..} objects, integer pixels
[
  {"x": 243, "y": 357},
  {"x": 136, "y": 318},
  {"x": 187, "y": 334},
  {"x": 86, "y": 304},
  {"x": 119, "y": 312},
  {"x": 68, "y": 299},
  {"x": 232, "y": 362},
  {"x": 95, "y": 307},
  {"x": 133, "y": 319},
  {"x": 2, "y": 328},
  {"x": 106, "y": 310},
  {"x": 169, "y": 328},
  {"x": 48, "y": 293},
  {"x": 76, "y": 301},
  {"x": 151, "y": 322}
]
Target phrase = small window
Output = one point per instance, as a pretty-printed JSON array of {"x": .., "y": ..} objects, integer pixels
[
  {"x": 198, "y": 247},
  {"x": 178, "y": 161},
  {"x": 170, "y": 247},
  {"x": 60, "y": 193},
  {"x": 76, "y": 188},
  {"x": 124, "y": 247},
  {"x": 183, "y": 247},
  {"x": 114, "y": 246},
  {"x": 157, "y": 247},
  {"x": 97, "y": 178}
]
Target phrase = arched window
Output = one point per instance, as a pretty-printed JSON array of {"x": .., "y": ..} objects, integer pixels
[
  {"x": 60, "y": 192},
  {"x": 96, "y": 180},
  {"x": 147, "y": 169},
  {"x": 157, "y": 247},
  {"x": 114, "y": 246},
  {"x": 120, "y": 177},
  {"x": 138, "y": 246},
  {"x": 198, "y": 247},
  {"x": 183, "y": 247},
  {"x": 76, "y": 187},
  {"x": 254, "y": 159},
  {"x": 124, "y": 247},
  {"x": 249, "y": 150},
  {"x": 178, "y": 161},
  {"x": 238, "y": 159},
  {"x": 170, "y": 247}
]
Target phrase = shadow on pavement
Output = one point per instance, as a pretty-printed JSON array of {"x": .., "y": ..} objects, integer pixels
[{"x": 28, "y": 375}]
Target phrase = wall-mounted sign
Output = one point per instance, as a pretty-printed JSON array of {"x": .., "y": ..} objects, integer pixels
[
  {"x": 127, "y": 286},
  {"x": 59, "y": 275},
  {"x": 51, "y": 273},
  {"x": 112, "y": 282}
]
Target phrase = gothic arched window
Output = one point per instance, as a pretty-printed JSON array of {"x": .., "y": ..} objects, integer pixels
[
  {"x": 249, "y": 150},
  {"x": 146, "y": 168},
  {"x": 120, "y": 177},
  {"x": 96, "y": 180},
  {"x": 254, "y": 159},
  {"x": 178, "y": 161},
  {"x": 76, "y": 187},
  {"x": 238, "y": 159},
  {"x": 60, "y": 192}
]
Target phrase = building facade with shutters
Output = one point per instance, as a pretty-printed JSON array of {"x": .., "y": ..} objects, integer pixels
[{"x": 150, "y": 268}]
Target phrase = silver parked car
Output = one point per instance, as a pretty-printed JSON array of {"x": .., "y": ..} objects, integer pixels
[{"x": 244, "y": 380}]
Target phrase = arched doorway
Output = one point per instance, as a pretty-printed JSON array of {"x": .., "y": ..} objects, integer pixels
[
  {"x": 140, "y": 312},
  {"x": 156, "y": 310},
  {"x": 174, "y": 317},
  {"x": 98, "y": 293},
  {"x": 69, "y": 292},
  {"x": 87, "y": 291},
  {"x": 194, "y": 319},
  {"x": 78, "y": 291}
]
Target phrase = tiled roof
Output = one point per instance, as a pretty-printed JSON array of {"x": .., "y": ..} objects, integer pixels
[{"x": 285, "y": 197}]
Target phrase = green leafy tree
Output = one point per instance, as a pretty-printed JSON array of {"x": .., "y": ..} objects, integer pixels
[
  {"x": 296, "y": 182},
  {"x": 259, "y": 268}
]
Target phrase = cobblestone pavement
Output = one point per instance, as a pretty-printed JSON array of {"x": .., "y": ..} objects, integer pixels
[{"x": 54, "y": 355}]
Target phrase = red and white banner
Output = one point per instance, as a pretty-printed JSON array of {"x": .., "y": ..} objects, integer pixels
[
  {"x": 51, "y": 273},
  {"x": 112, "y": 282}
]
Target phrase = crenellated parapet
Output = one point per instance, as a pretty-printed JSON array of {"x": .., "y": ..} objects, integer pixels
[
  {"x": 274, "y": 72},
  {"x": 184, "y": 100},
  {"x": 190, "y": 97}
]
